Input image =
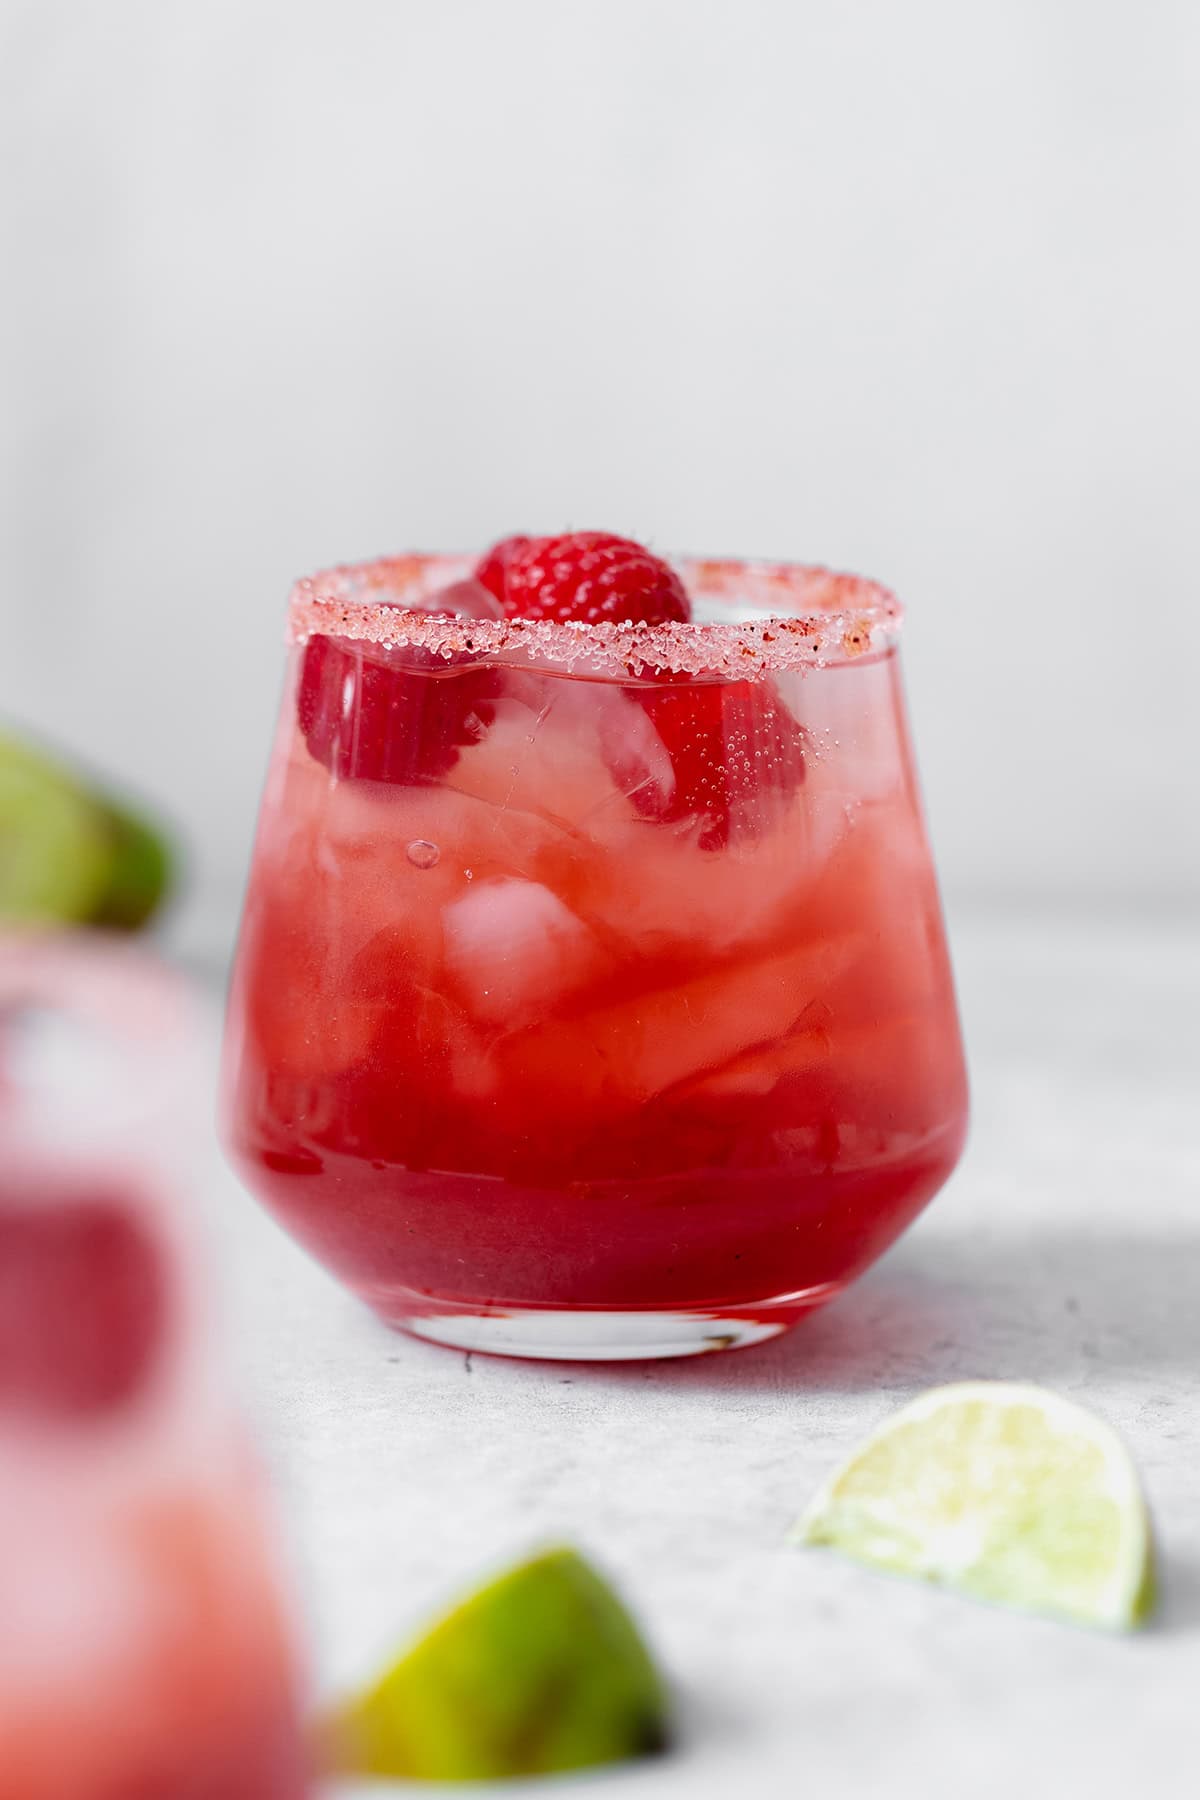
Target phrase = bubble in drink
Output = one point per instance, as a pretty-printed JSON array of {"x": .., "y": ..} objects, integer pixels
[{"x": 423, "y": 855}]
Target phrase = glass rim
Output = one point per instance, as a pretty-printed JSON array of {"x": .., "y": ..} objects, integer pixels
[{"x": 784, "y": 616}]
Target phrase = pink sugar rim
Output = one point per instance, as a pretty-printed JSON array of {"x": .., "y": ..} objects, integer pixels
[{"x": 832, "y": 618}]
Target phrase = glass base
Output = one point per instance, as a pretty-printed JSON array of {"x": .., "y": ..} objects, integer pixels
[{"x": 595, "y": 1334}]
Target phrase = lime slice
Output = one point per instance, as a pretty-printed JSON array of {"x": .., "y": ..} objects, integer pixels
[
  {"x": 55, "y": 846},
  {"x": 541, "y": 1670},
  {"x": 1004, "y": 1492},
  {"x": 139, "y": 872},
  {"x": 68, "y": 855}
]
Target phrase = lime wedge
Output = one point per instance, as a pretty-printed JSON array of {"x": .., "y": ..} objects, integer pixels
[
  {"x": 55, "y": 846},
  {"x": 139, "y": 872},
  {"x": 1004, "y": 1492},
  {"x": 541, "y": 1670},
  {"x": 69, "y": 855}
]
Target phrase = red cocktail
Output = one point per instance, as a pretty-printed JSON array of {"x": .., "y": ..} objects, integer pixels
[
  {"x": 592, "y": 996},
  {"x": 144, "y": 1653}
]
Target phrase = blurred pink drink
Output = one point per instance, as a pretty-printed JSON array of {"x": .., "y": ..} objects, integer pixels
[{"x": 143, "y": 1654}]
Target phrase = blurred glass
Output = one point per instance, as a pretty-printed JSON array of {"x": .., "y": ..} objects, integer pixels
[{"x": 143, "y": 1650}]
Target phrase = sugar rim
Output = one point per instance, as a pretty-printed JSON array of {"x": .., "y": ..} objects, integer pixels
[{"x": 830, "y": 618}]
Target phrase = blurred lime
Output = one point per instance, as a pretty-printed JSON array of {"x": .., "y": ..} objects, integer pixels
[
  {"x": 139, "y": 872},
  {"x": 541, "y": 1670},
  {"x": 68, "y": 855},
  {"x": 1003, "y": 1491},
  {"x": 55, "y": 846}
]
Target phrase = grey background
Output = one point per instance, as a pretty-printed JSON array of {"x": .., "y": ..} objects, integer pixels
[{"x": 913, "y": 289}]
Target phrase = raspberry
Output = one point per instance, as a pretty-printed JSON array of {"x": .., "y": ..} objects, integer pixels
[
  {"x": 374, "y": 715},
  {"x": 589, "y": 576},
  {"x": 492, "y": 570},
  {"x": 736, "y": 751},
  {"x": 83, "y": 1304}
]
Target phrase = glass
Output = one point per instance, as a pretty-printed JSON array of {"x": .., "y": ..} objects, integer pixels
[
  {"x": 592, "y": 997},
  {"x": 143, "y": 1651}
]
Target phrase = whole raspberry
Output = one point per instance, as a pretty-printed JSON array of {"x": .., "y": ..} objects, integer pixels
[
  {"x": 592, "y": 577},
  {"x": 492, "y": 569},
  {"x": 372, "y": 714}
]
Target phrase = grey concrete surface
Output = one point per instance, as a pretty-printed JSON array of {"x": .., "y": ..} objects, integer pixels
[{"x": 1066, "y": 1251}]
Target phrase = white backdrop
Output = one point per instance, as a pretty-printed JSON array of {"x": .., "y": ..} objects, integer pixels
[{"x": 907, "y": 288}]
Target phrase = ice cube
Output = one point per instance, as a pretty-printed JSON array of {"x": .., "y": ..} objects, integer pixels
[
  {"x": 707, "y": 1022},
  {"x": 530, "y": 762},
  {"x": 513, "y": 949},
  {"x": 756, "y": 1072},
  {"x": 630, "y": 1052},
  {"x": 469, "y": 599},
  {"x": 373, "y": 910},
  {"x": 622, "y": 733},
  {"x": 572, "y": 751},
  {"x": 664, "y": 895}
]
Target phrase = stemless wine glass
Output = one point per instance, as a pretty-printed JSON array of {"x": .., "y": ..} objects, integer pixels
[{"x": 592, "y": 997}]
